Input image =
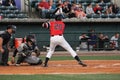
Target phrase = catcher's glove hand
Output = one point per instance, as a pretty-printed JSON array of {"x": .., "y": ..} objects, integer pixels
[
  {"x": 13, "y": 60},
  {"x": 23, "y": 54}
]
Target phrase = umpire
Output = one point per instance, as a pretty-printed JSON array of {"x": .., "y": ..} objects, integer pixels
[{"x": 4, "y": 44}]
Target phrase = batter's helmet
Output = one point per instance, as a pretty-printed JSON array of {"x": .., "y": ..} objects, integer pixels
[
  {"x": 58, "y": 18},
  {"x": 13, "y": 27}
]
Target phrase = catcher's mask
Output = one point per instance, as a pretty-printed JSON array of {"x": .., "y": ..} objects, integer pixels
[
  {"x": 13, "y": 27},
  {"x": 30, "y": 38}
]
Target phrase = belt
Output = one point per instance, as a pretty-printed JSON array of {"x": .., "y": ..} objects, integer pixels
[{"x": 57, "y": 35}]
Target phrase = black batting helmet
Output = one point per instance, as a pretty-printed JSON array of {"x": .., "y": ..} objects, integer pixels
[
  {"x": 13, "y": 27},
  {"x": 58, "y": 18}
]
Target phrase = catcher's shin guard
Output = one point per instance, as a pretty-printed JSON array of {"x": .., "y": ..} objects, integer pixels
[
  {"x": 20, "y": 59},
  {"x": 40, "y": 62}
]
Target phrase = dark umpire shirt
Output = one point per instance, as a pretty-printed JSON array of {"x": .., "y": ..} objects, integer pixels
[{"x": 6, "y": 37}]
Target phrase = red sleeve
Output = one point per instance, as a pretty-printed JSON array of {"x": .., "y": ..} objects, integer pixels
[
  {"x": 95, "y": 9},
  {"x": 40, "y": 5}
]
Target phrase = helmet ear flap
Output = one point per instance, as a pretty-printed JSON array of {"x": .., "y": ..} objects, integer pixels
[{"x": 58, "y": 18}]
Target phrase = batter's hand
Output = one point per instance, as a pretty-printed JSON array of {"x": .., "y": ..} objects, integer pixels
[
  {"x": 45, "y": 25},
  {"x": 13, "y": 60}
]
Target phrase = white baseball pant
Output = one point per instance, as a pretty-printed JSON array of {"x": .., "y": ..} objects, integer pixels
[{"x": 59, "y": 40}]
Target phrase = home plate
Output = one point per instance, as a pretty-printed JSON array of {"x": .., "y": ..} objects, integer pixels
[
  {"x": 100, "y": 66},
  {"x": 116, "y": 64}
]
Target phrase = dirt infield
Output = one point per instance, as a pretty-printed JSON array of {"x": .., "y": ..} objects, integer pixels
[{"x": 66, "y": 67}]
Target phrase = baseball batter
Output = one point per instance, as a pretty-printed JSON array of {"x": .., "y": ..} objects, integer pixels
[{"x": 56, "y": 32}]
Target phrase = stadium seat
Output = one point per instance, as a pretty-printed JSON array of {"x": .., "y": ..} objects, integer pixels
[
  {"x": 93, "y": 4},
  {"x": 3, "y": 7},
  {"x": 118, "y": 15},
  {"x": 10, "y": 16},
  {"x": 12, "y": 7},
  {"x": 0, "y": 11},
  {"x": 109, "y": 3},
  {"x": 22, "y": 15},
  {"x": 39, "y": 0},
  {"x": 33, "y": 3},
  {"x": 1, "y": 14},
  {"x": 88, "y": 1},
  {"x": 96, "y": 16},
  {"x": 89, "y": 16},
  {"x": 16, "y": 11},
  {"x": 94, "y": 1},
  {"x": 84, "y": 4},
  {"x": 70, "y": 1},
  {"x": 85, "y": 1},
  {"x": 104, "y": 16},
  {"x": 104, "y": 9},
  {"x": 102, "y": 4},
  {"x": 6, "y": 11},
  {"x": 112, "y": 16},
  {"x": 81, "y": 1},
  {"x": 36, "y": 4}
]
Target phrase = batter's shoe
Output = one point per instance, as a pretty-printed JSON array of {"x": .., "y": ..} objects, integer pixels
[
  {"x": 83, "y": 65},
  {"x": 45, "y": 65}
]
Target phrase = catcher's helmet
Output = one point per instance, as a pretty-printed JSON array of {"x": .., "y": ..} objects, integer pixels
[
  {"x": 30, "y": 38},
  {"x": 58, "y": 18},
  {"x": 13, "y": 27}
]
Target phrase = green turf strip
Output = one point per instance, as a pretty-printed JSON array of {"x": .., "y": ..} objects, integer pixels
[
  {"x": 62, "y": 77},
  {"x": 85, "y": 57}
]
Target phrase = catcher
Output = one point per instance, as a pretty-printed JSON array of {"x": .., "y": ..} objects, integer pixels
[{"x": 25, "y": 52}]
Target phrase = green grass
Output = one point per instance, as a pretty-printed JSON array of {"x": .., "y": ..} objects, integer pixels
[
  {"x": 62, "y": 77},
  {"x": 84, "y": 57}
]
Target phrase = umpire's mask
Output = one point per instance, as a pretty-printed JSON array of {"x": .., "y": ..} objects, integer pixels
[{"x": 13, "y": 27}]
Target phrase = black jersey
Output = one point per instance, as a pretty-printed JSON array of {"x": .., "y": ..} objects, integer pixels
[{"x": 6, "y": 37}]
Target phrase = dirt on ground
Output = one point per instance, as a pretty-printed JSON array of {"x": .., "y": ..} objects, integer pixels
[
  {"x": 68, "y": 66},
  {"x": 65, "y": 67}
]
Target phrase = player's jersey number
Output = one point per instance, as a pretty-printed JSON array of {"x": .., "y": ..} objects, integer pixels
[{"x": 58, "y": 27}]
